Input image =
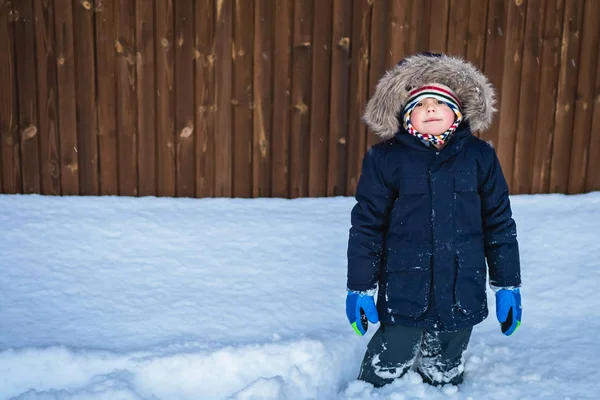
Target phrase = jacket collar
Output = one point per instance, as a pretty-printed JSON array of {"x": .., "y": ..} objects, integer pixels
[{"x": 454, "y": 145}]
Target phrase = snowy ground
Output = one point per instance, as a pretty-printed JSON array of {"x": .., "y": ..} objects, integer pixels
[{"x": 122, "y": 298}]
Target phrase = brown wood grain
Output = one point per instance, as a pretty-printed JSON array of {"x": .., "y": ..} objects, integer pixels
[
  {"x": 511, "y": 84},
  {"x": 301, "y": 97},
  {"x": 146, "y": 98},
  {"x": 126, "y": 97},
  {"x": 528, "y": 97},
  {"x": 546, "y": 106},
  {"x": 379, "y": 52},
  {"x": 438, "y": 26},
  {"x": 477, "y": 33},
  {"x": 592, "y": 178},
  {"x": 184, "y": 98},
  {"x": 205, "y": 99},
  {"x": 46, "y": 94},
  {"x": 250, "y": 86},
  {"x": 282, "y": 62},
  {"x": 567, "y": 90},
  {"x": 259, "y": 98},
  {"x": 584, "y": 103},
  {"x": 359, "y": 86},
  {"x": 87, "y": 149},
  {"x": 458, "y": 27},
  {"x": 63, "y": 24},
  {"x": 419, "y": 26},
  {"x": 26, "y": 80},
  {"x": 398, "y": 31},
  {"x": 262, "y": 129},
  {"x": 165, "y": 97},
  {"x": 320, "y": 94},
  {"x": 338, "y": 113},
  {"x": 105, "y": 37},
  {"x": 495, "y": 49},
  {"x": 223, "y": 92},
  {"x": 10, "y": 173}
]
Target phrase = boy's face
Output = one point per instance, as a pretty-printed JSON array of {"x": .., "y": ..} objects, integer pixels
[{"x": 432, "y": 116}]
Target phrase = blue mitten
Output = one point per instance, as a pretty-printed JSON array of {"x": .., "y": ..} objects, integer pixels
[
  {"x": 360, "y": 307},
  {"x": 508, "y": 310}
]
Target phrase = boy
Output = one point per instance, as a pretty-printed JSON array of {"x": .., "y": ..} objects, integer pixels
[{"x": 432, "y": 206}]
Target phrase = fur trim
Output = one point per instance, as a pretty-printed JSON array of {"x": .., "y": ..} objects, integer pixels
[{"x": 470, "y": 85}]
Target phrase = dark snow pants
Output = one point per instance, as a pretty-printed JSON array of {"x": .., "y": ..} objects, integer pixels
[{"x": 436, "y": 356}]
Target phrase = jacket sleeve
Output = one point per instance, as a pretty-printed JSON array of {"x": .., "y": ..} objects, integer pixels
[
  {"x": 499, "y": 228},
  {"x": 369, "y": 219}
]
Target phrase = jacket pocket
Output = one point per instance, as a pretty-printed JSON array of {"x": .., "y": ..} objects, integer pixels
[
  {"x": 467, "y": 204},
  {"x": 469, "y": 290},
  {"x": 408, "y": 283},
  {"x": 412, "y": 203}
]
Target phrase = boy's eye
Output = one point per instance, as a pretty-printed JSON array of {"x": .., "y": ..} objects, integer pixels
[
  {"x": 419, "y": 104},
  {"x": 440, "y": 102}
]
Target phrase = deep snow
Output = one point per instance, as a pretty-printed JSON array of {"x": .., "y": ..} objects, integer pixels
[{"x": 147, "y": 298}]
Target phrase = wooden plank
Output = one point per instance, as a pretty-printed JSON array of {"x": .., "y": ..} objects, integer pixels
[
  {"x": 476, "y": 35},
  {"x": 46, "y": 91},
  {"x": 245, "y": 104},
  {"x": 301, "y": 97},
  {"x": 247, "y": 99},
  {"x": 205, "y": 99},
  {"x": 165, "y": 118},
  {"x": 494, "y": 51},
  {"x": 184, "y": 98},
  {"x": 126, "y": 97},
  {"x": 592, "y": 178},
  {"x": 399, "y": 42},
  {"x": 458, "y": 27},
  {"x": 24, "y": 31},
  {"x": 511, "y": 83},
  {"x": 282, "y": 61},
  {"x": 146, "y": 96},
  {"x": 87, "y": 149},
  {"x": 438, "y": 26},
  {"x": 379, "y": 48},
  {"x": 106, "y": 102},
  {"x": 528, "y": 98},
  {"x": 546, "y": 104},
  {"x": 10, "y": 174},
  {"x": 321, "y": 76},
  {"x": 338, "y": 113},
  {"x": 223, "y": 93},
  {"x": 251, "y": 72},
  {"x": 584, "y": 105},
  {"x": 262, "y": 133},
  {"x": 419, "y": 25},
  {"x": 567, "y": 89},
  {"x": 359, "y": 81},
  {"x": 69, "y": 160}
]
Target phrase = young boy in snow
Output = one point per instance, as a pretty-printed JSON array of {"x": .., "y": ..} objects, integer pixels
[{"x": 432, "y": 207}]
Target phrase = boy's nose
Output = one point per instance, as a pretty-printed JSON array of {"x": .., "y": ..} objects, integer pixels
[{"x": 429, "y": 105}]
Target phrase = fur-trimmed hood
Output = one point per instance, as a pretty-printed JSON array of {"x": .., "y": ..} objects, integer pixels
[{"x": 470, "y": 85}]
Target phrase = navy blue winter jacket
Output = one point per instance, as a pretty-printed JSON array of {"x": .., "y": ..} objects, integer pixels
[{"x": 424, "y": 224}]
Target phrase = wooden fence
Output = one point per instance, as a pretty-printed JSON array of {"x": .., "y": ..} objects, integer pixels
[{"x": 252, "y": 98}]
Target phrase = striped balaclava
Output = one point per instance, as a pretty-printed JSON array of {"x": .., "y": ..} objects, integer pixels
[{"x": 439, "y": 92}]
